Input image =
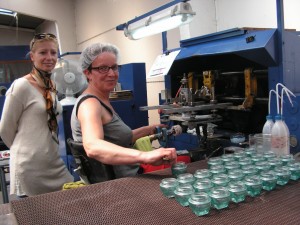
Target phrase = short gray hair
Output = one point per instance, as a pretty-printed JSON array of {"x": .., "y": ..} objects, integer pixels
[{"x": 90, "y": 53}]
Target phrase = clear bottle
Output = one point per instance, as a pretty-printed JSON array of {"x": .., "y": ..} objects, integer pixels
[
  {"x": 288, "y": 133},
  {"x": 267, "y": 129},
  {"x": 279, "y": 137},
  {"x": 266, "y": 133}
]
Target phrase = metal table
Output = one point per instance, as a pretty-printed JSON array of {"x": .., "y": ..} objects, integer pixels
[{"x": 138, "y": 200}]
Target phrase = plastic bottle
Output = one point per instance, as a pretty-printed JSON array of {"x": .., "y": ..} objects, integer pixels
[
  {"x": 267, "y": 129},
  {"x": 288, "y": 133},
  {"x": 266, "y": 133},
  {"x": 279, "y": 137}
]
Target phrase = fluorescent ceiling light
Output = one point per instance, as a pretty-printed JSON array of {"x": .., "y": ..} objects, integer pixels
[
  {"x": 7, "y": 12},
  {"x": 160, "y": 21}
]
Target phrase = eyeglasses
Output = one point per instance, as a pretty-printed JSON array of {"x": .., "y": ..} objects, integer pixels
[
  {"x": 105, "y": 69},
  {"x": 42, "y": 36}
]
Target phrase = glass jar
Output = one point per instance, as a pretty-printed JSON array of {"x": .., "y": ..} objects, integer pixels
[
  {"x": 262, "y": 166},
  {"x": 200, "y": 203},
  {"x": 233, "y": 165},
  {"x": 178, "y": 168},
  {"x": 239, "y": 155},
  {"x": 285, "y": 159},
  {"x": 250, "y": 151},
  {"x": 227, "y": 158},
  {"x": 214, "y": 161},
  {"x": 168, "y": 186},
  {"x": 182, "y": 193},
  {"x": 294, "y": 167},
  {"x": 283, "y": 174},
  {"x": 274, "y": 162},
  {"x": 203, "y": 185},
  {"x": 202, "y": 173},
  {"x": 257, "y": 158},
  {"x": 218, "y": 169},
  {"x": 269, "y": 180},
  {"x": 244, "y": 161},
  {"x": 253, "y": 185},
  {"x": 237, "y": 190},
  {"x": 249, "y": 170},
  {"x": 235, "y": 175},
  {"x": 220, "y": 180},
  {"x": 269, "y": 155},
  {"x": 220, "y": 197},
  {"x": 186, "y": 178}
]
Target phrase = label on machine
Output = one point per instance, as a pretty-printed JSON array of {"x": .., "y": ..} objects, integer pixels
[{"x": 162, "y": 64}]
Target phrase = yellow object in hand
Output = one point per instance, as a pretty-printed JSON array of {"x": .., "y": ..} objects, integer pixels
[{"x": 143, "y": 144}]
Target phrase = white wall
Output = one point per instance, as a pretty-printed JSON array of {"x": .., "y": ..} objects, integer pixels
[
  {"x": 205, "y": 20},
  {"x": 255, "y": 13},
  {"x": 61, "y": 12}
]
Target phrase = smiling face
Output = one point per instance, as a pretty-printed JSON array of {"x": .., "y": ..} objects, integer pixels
[
  {"x": 104, "y": 82},
  {"x": 44, "y": 55}
]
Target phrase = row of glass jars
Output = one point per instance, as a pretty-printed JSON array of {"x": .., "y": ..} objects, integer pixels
[
  {"x": 217, "y": 186},
  {"x": 202, "y": 194},
  {"x": 236, "y": 171},
  {"x": 250, "y": 157}
]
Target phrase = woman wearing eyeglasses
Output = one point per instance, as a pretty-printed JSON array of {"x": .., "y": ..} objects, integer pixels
[
  {"x": 95, "y": 123},
  {"x": 29, "y": 126}
]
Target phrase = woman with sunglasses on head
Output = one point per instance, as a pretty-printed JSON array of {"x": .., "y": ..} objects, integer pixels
[
  {"x": 94, "y": 122},
  {"x": 29, "y": 126}
]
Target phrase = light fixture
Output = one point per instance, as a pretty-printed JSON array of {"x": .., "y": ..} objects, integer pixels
[
  {"x": 8, "y": 12},
  {"x": 162, "y": 19}
]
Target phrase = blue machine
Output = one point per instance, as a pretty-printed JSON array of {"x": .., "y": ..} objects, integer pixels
[
  {"x": 224, "y": 79},
  {"x": 13, "y": 60},
  {"x": 227, "y": 54}
]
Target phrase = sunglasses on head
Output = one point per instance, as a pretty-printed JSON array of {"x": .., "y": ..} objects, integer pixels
[{"x": 42, "y": 36}]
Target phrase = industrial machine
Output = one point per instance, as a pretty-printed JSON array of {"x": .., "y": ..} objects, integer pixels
[
  {"x": 163, "y": 134},
  {"x": 218, "y": 85}
]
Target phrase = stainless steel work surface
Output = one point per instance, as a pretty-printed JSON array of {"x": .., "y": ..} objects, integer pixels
[{"x": 138, "y": 200}]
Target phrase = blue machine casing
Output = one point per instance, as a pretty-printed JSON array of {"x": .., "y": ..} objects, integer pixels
[{"x": 232, "y": 48}]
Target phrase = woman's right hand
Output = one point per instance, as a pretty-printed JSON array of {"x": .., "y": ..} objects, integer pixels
[{"x": 161, "y": 156}]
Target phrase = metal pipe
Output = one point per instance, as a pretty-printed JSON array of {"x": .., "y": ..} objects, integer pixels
[
  {"x": 242, "y": 72},
  {"x": 231, "y": 99}
]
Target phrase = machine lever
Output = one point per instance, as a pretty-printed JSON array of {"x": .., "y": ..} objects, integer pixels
[{"x": 162, "y": 134}]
